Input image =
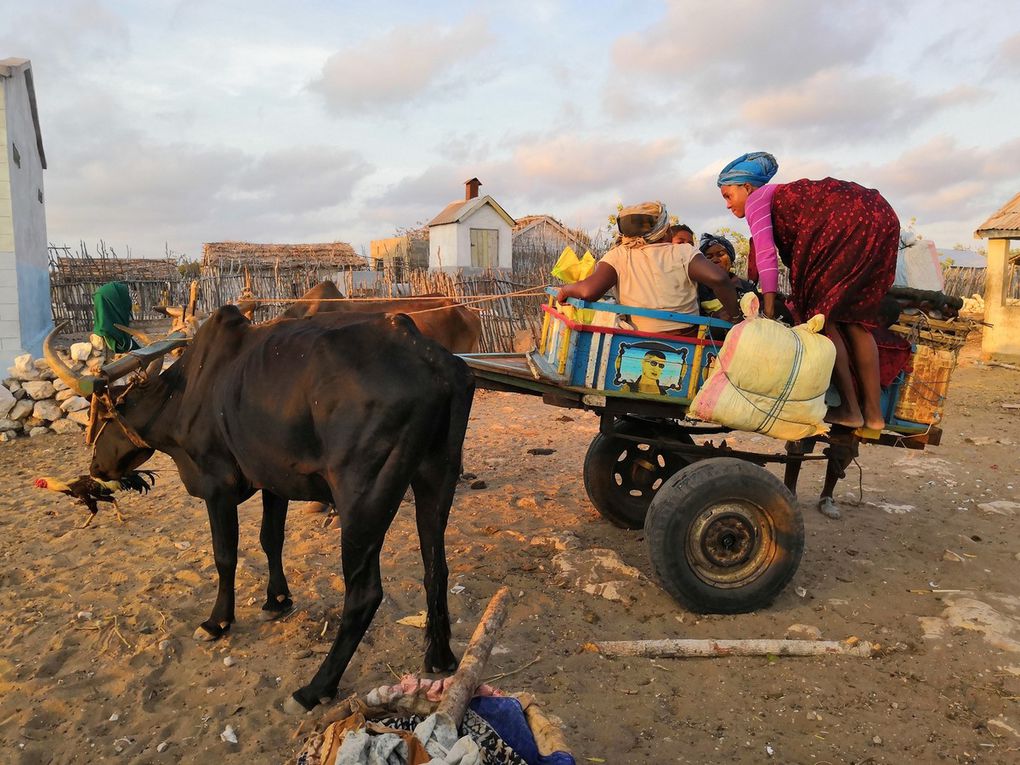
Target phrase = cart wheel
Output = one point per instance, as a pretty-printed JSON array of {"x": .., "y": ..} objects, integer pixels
[
  {"x": 724, "y": 536},
  {"x": 622, "y": 476}
]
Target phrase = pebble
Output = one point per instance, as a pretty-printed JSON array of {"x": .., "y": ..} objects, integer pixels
[
  {"x": 114, "y": 717},
  {"x": 478, "y": 484},
  {"x": 468, "y": 477},
  {"x": 229, "y": 661},
  {"x": 877, "y": 740},
  {"x": 164, "y": 645},
  {"x": 801, "y": 592},
  {"x": 228, "y": 735},
  {"x": 182, "y": 545},
  {"x": 84, "y": 616},
  {"x": 162, "y": 746},
  {"x": 803, "y": 632}
]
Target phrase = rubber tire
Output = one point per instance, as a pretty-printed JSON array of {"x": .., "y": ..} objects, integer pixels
[
  {"x": 612, "y": 503},
  {"x": 680, "y": 502}
]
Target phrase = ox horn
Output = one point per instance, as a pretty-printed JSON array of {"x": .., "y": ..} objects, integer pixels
[
  {"x": 146, "y": 356},
  {"x": 137, "y": 334},
  {"x": 57, "y": 364}
]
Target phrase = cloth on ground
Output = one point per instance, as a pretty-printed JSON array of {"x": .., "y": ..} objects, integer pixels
[
  {"x": 506, "y": 716},
  {"x": 112, "y": 305}
]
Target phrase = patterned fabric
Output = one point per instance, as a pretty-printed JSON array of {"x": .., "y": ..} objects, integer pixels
[
  {"x": 756, "y": 168},
  {"x": 839, "y": 240},
  {"x": 642, "y": 224},
  {"x": 496, "y": 750}
]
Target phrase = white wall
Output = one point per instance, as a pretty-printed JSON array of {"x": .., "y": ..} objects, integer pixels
[
  {"x": 443, "y": 247},
  {"x": 23, "y": 230}
]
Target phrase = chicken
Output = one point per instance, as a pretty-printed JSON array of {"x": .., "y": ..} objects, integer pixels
[{"x": 89, "y": 491}]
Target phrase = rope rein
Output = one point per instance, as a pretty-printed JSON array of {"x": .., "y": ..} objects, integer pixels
[{"x": 464, "y": 301}]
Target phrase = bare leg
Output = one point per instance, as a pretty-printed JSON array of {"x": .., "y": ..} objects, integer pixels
[
  {"x": 865, "y": 355},
  {"x": 848, "y": 413}
]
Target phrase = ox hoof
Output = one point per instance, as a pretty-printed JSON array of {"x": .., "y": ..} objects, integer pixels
[
  {"x": 313, "y": 508},
  {"x": 273, "y": 610},
  {"x": 208, "y": 632},
  {"x": 294, "y": 707},
  {"x": 827, "y": 507}
]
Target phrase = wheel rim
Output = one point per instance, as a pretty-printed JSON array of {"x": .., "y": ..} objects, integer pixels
[
  {"x": 639, "y": 470},
  {"x": 731, "y": 544}
]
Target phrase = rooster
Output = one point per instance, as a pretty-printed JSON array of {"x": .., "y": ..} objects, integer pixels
[{"x": 89, "y": 491}]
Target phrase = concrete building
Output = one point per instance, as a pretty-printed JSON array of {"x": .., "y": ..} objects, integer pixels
[
  {"x": 24, "y": 261},
  {"x": 472, "y": 233},
  {"x": 1002, "y": 304}
]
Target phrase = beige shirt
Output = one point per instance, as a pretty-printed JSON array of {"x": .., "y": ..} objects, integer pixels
[{"x": 655, "y": 276}]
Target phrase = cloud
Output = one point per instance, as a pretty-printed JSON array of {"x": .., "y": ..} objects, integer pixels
[
  {"x": 58, "y": 40},
  {"x": 942, "y": 180},
  {"x": 144, "y": 194},
  {"x": 838, "y": 104},
  {"x": 1008, "y": 58},
  {"x": 723, "y": 50},
  {"x": 397, "y": 67}
]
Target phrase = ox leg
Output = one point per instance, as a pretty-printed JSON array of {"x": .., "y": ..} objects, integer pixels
[
  {"x": 364, "y": 592},
  {"x": 274, "y": 518},
  {"x": 223, "y": 522},
  {"x": 434, "y": 486}
]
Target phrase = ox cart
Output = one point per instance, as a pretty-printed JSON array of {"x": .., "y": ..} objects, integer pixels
[{"x": 723, "y": 534}]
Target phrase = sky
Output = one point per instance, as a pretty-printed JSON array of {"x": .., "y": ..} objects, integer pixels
[{"x": 169, "y": 124}]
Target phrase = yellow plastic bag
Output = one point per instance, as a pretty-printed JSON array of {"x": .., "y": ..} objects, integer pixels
[
  {"x": 769, "y": 378},
  {"x": 569, "y": 268}
]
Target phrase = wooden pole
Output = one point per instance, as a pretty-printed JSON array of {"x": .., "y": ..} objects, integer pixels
[
  {"x": 684, "y": 648},
  {"x": 468, "y": 676}
]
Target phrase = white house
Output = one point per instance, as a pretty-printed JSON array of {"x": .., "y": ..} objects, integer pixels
[
  {"x": 474, "y": 232},
  {"x": 24, "y": 273}
]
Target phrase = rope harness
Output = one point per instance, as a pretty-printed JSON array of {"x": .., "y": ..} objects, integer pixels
[{"x": 104, "y": 411}]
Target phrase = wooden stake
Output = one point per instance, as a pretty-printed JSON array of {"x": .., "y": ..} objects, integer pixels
[
  {"x": 683, "y": 648},
  {"x": 468, "y": 676}
]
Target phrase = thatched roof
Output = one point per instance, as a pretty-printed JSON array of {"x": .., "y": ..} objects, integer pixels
[
  {"x": 116, "y": 269},
  {"x": 1004, "y": 224},
  {"x": 333, "y": 254},
  {"x": 528, "y": 222}
]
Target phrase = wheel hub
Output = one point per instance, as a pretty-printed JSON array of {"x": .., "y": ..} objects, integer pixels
[{"x": 730, "y": 544}]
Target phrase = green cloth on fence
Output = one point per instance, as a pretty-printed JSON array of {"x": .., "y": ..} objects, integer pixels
[{"x": 112, "y": 305}]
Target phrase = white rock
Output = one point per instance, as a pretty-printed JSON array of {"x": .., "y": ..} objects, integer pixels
[
  {"x": 1000, "y": 507},
  {"x": 66, "y": 427},
  {"x": 23, "y": 368},
  {"x": 228, "y": 735},
  {"x": 803, "y": 632},
  {"x": 7, "y": 435},
  {"x": 162, "y": 746},
  {"x": 75, "y": 404},
  {"x": 47, "y": 409},
  {"x": 6, "y": 424},
  {"x": 81, "y": 417},
  {"x": 97, "y": 342},
  {"x": 63, "y": 395},
  {"x": 7, "y": 401},
  {"x": 40, "y": 389},
  {"x": 229, "y": 661},
  {"x": 81, "y": 351},
  {"x": 114, "y": 717},
  {"x": 39, "y": 431},
  {"x": 22, "y": 409},
  {"x": 59, "y": 385}
]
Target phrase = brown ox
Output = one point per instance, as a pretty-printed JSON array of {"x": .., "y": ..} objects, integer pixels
[{"x": 452, "y": 325}]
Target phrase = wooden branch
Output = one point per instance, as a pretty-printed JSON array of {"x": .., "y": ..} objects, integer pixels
[
  {"x": 683, "y": 648},
  {"x": 468, "y": 677}
]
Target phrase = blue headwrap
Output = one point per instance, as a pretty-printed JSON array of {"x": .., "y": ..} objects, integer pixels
[
  {"x": 756, "y": 168},
  {"x": 707, "y": 240}
]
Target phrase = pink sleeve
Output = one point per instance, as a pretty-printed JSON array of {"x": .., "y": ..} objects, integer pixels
[{"x": 758, "y": 212}]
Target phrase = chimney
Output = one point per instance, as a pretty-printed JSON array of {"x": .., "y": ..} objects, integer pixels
[{"x": 471, "y": 188}]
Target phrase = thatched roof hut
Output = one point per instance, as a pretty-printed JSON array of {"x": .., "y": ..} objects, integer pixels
[
  {"x": 78, "y": 269},
  {"x": 233, "y": 255}
]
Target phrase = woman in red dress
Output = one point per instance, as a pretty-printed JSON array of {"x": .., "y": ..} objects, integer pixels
[{"x": 839, "y": 241}]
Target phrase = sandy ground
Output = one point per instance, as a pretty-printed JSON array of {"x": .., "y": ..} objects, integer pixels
[{"x": 97, "y": 660}]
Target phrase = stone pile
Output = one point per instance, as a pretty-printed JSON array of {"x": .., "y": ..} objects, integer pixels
[{"x": 34, "y": 402}]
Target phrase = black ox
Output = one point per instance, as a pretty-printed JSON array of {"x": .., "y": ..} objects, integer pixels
[{"x": 335, "y": 408}]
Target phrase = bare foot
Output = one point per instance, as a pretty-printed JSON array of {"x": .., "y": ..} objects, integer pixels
[
  {"x": 875, "y": 424},
  {"x": 837, "y": 416}
]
